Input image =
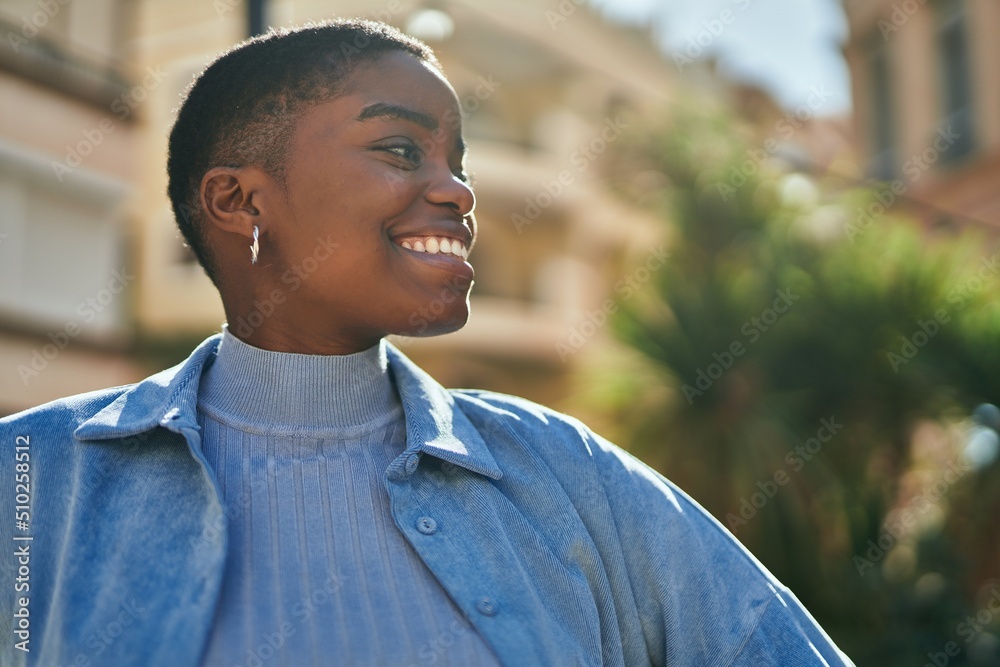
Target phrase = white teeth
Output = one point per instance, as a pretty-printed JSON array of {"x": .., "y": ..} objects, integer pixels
[{"x": 438, "y": 245}]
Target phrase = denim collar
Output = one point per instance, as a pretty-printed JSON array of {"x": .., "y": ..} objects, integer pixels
[{"x": 434, "y": 423}]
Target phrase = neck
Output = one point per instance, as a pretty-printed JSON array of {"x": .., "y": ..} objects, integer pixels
[
  {"x": 270, "y": 389},
  {"x": 284, "y": 329}
]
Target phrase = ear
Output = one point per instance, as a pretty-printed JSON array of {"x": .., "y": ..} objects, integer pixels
[{"x": 231, "y": 198}]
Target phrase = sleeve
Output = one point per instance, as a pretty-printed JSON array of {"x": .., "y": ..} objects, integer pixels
[{"x": 702, "y": 598}]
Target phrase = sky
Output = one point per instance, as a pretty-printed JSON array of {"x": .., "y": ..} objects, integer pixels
[{"x": 791, "y": 48}]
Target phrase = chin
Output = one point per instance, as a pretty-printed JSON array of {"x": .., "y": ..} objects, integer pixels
[{"x": 423, "y": 324}]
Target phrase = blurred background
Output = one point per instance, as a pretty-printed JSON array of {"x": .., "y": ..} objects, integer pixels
[{"x": 751, "y": 241}]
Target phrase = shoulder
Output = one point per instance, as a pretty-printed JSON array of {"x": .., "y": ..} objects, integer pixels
[
  {"x": 636, "y": 495},
  {"x": 536, "y": 425},
  {"x": 571, "y": 450},
  {"x": 123, "y": 410},
  {"x": 514, "y": 409},
  {"x": 62, "y": 415},
  {"x": 544, "y": 429},
  {"x": 674, "y": 553}
]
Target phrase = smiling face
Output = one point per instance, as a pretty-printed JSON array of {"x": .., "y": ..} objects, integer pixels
[{"x": 369, "y": 232}]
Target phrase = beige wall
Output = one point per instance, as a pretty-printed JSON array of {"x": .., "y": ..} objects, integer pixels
[
  {"x": 985, "y": 56},
  {"x": 67, "y": 203},
  {"x": 179, "y": 38}
]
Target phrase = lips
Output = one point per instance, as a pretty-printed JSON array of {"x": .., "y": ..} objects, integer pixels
[
  {"x": 441, "y": 229},
  {"x": 442, "y": 252},
  {"x": 443, "y": 245},
  {"x": 434, "y": 245}
]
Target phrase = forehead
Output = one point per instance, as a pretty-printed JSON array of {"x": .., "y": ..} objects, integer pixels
[
  {"x": 398, "y": 86},
  {"x": 394, "y": 87},
  {"x": 400, "y": 73}
]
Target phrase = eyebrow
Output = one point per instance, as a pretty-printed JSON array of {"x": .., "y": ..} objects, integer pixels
[{"x": 388, "y": 111}]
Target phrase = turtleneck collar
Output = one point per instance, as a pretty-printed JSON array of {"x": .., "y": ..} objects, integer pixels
[{"x": 269, "y": 391}]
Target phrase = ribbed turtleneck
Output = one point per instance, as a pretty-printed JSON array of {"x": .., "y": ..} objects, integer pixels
[
  {"x": 275, "y": 392},
  {"x": 317, "y": 570}
]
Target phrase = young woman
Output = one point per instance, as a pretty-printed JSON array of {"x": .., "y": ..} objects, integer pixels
[{"x": 297, "y": 491}]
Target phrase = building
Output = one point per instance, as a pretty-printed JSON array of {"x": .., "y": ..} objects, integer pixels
[
  {"x": 67, "y": 161},
  {"x": 927, "y": 105}
]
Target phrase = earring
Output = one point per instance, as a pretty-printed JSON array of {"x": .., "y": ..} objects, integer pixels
[{"x": 254, "y": 247}]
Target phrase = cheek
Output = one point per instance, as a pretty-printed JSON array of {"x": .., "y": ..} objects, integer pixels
[{"x": 357, "y": 202}]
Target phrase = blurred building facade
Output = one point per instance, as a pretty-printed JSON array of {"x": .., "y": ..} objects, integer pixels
[
  {"x": 544, "y": 93},
  {"x": 67, "y": 163},
  {"x": 927, "y": 105}
]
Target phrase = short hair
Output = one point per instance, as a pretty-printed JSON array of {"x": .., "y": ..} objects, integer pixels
[{"x": 243, "y": 108}]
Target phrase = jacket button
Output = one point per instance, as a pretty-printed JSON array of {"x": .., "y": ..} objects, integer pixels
[
  {"x": 427, "y": 525},
  {"x": 487, "y": 606}
]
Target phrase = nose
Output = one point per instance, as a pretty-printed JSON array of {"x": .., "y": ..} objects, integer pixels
[{"x": 449, "y": 190}]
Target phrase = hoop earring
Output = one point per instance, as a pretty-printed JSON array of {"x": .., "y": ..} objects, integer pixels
[{"x": 254, "y": 247}]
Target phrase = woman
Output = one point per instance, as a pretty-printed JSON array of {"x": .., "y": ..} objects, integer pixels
[{"x": 297, "y": 491}]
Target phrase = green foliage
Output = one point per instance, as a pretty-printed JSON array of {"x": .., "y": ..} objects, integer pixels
[{"x": 802, "y": 344}]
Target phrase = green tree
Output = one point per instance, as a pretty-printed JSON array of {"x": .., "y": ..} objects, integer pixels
[{"x": 802, "y": 368}]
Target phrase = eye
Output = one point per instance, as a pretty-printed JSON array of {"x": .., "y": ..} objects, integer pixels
[{"x": 408, "y": 152}]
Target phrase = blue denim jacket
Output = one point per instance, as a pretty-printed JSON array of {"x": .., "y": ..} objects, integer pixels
[{"x": 561, "y": 548}]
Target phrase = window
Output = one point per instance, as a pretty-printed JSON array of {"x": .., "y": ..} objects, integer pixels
[
  {"x": 62, "y": 251},
  {"x": 883, "y": 139},
  {"x": 953, "y": 77},
  {"x": 76, "y": 48}
]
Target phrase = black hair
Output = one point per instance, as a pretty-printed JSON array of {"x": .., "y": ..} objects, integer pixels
[{"x": 243, "y": 108}]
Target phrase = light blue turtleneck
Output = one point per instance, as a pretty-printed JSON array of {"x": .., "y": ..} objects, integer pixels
[{"x": 317, "y": 573}]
